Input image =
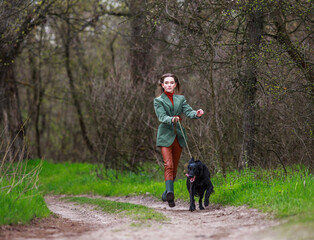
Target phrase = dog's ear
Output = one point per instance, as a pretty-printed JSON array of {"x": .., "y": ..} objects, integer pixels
[
  {"x": 204, "y": 168},
  {"x": 191, "y": 160}
]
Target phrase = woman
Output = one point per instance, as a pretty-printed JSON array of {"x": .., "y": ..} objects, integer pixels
[{"x": 168, "y": 107}]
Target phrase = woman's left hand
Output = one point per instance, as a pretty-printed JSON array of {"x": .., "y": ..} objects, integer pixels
[{"x": 199, "y": 112}]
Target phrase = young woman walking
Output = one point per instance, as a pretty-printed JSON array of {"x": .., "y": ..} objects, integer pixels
[{"x": 168, "y": 107}]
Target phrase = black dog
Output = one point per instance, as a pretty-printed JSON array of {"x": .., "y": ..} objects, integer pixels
[{"x": 197, "y": 182}]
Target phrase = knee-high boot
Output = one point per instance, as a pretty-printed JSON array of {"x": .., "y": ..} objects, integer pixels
[
  {"x": 169, "y": 188},
  {"x": 168, "y": 195}
]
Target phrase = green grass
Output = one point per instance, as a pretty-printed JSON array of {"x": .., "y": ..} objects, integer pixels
[
  {"x": 81, "y": 178},
  {"x": 20, "y": 200},
  {"x": 269, "y": 191},
  {"x": 133, "y": 211},
  {"x": 21, "y": 209}
]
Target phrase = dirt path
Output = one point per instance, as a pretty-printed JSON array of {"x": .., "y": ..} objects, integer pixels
[{"x": 84, "y": 222}]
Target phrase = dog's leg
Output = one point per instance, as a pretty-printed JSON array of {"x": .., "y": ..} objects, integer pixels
[
  {"x": 200, "y": 201},
  {"x": 209, "y": 190},
  {"x": 192, "y": 193}
]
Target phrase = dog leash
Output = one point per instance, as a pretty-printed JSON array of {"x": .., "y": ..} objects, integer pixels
[{"x": 187, "y": 146}]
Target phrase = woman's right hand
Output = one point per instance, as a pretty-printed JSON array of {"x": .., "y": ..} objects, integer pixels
[
  {"x": 175, "y": 119},
  {"x": 199, "y": 112}
]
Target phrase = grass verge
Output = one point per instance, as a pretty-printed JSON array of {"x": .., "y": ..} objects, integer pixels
[
  {"x": 16, "y": 208},
  {"x": 20, "y": 199},
  {"x": 270, "y": 191},
  {"x": 133, "y": 211}
]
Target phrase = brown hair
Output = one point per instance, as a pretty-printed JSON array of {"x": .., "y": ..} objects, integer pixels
[{"x": 160, "y": 90}]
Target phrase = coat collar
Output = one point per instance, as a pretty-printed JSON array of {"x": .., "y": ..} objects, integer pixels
[
  {"x": 166, "y": 99},
  {"x": 175, "y": 102}
]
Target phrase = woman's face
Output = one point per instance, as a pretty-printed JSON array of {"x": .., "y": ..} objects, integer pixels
[{"x": 169, "y": 84}]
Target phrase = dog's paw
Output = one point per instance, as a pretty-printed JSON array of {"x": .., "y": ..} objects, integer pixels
[
  {"x": 202, "y": 208},
  {"x": 206, "y": 202},
  {"x": 192, "y": 208}
]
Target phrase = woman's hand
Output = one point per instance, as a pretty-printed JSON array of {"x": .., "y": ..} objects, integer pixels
[
  {"x": 199, "y": 112},
  {"x": 175, "y": 119}
]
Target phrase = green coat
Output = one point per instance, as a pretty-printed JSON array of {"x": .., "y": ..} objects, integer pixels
[{"x": 165, "y": 112}]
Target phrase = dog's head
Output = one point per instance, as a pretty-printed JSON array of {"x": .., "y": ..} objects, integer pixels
[{"x": 195, "y": 170}]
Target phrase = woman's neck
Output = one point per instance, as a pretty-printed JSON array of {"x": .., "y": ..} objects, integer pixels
[{"x": 169, "y": 93}]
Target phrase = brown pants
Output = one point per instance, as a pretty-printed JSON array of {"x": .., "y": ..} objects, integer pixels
[{"x": 171, "y": 156}]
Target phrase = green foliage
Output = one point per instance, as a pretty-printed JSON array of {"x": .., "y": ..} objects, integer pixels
[
  {"x": 269, "y": 191},
  {"x": 82, "y": 178},
  {"x": 20, "y": 199},
  {"x": 21, "y": 209},
  {"x": 134, "y": 211}
]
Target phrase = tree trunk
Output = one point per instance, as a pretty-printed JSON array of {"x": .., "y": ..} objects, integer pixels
[
  {"x": 218, "y": 135},
  {"x": 284, "y": 39},
  {"x": 73, "y": 90},
  {"x": 140, "y": 64},
  {"x": 37, "y": 99},
  {"x": 29, "y": 15},
  {"x": 12, "y": 118},
  {"x": 140, "y": 44},
  {"x": 254, "y": 32}
]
